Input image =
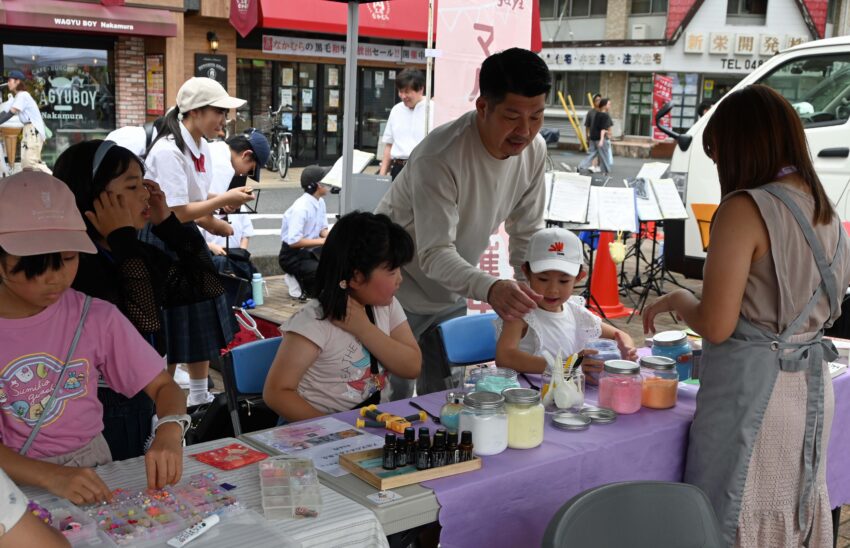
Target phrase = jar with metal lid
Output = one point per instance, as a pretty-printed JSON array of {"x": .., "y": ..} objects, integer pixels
[
  {"x": 525, "y": 417},
  {"x": 675, "y": 345},
  {"x": 660, "y": 382},
  {"x": 620, "y": 386},
  {"x": 450, "y": 412},
  {"x": 484, "y": 415},
  {"x": 496, "y": 379},
  {"x": 606, "y": 349}
]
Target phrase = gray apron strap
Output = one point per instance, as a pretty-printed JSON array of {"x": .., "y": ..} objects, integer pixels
[
  {"x": 50, "y": 402},
  {"x": 810, "y": 356}
]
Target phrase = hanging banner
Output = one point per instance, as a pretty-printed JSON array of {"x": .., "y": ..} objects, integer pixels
[
  {"x": 468, "y": 31},
  {"x": 662, "y": 93},
  {"x": 244, "y": 15}
]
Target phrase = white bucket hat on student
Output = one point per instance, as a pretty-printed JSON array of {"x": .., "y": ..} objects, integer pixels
[
  {"x": 198, "y": 92},
  {"x": 555, "y": 249}
]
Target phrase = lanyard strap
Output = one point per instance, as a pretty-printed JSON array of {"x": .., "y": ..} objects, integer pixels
[{"x": 49, "y": 405}]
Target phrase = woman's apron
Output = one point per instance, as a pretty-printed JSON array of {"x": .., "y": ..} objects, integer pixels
[{"x": 736, "y": 380}]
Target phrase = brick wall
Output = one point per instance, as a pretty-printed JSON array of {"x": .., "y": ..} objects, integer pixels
[
  {"x": 130, "y": 81},
  {"x": 617, "y": 20}
]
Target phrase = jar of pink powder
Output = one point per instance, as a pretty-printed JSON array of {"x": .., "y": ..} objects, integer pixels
[{"x": 620, "y": 386}]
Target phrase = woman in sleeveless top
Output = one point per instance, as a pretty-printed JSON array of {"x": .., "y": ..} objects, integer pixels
[{"x": 776, "y": 271}]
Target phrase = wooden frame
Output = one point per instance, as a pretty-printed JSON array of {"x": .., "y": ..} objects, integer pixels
[{"x": 351, "y": 462}]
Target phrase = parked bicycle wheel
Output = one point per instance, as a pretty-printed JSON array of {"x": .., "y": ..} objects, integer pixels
[
  {"x": 282, "y": 157},
  {"x": 271, "y": 164}
]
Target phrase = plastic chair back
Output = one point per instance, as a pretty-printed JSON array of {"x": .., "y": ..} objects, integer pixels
[
  {"x": 638, "y": 514},
  {"x": 704, "y": 213},
  {"x": 469, "y": 340},
  {"x": 244, "y": 370}
]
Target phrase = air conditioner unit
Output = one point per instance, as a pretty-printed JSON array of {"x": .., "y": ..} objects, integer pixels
[{"x": 640, "y": 31}]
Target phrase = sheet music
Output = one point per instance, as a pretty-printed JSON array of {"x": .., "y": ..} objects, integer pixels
[
  {"x": 653, "y": 170},
  {"x": 669, "y": 200},
  {"x": 360, "y": 161},
  {"x": 569, "y": 198},
  {"x": 645, "y": 200},
  {"x": 616, "y": 208}
]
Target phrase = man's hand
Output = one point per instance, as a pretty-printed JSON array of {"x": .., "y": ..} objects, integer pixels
[{"x": 512, "y": 300}]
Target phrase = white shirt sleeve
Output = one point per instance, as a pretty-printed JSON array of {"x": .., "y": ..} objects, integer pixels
[
  {"x": 397, "y": 315},
  {"x": 13, "y": 504},
  {"x": 165, "y": 166},
  {"x": 295, "y": 229},
  {"x": 387, "y": 138}
]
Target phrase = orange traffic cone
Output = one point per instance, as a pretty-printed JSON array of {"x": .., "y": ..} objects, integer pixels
[{"x": 604, "y": 292}]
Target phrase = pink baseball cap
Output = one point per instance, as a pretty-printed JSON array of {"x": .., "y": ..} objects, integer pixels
[{"x": 38, "y": 215}]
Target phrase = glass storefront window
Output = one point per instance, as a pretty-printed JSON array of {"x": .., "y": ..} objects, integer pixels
[
  {"x": 685, "y": 100},
  {"x": 575, "y": 84},
  {"x": 74, "y": 89},
  {"x": 639, "y": 108}
]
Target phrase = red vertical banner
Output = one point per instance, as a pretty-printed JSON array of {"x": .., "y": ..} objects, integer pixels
[
  {"x": 244, "y": 15},
  {"x": 662, "y": 93}
]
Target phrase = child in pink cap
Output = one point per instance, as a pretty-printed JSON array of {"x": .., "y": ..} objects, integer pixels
[{"x": 47, "y": 388}]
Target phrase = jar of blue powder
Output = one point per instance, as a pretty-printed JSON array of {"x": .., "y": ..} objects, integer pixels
[
  {"x": 675, "y": 345},
  {"x": 450, "y": 413}
]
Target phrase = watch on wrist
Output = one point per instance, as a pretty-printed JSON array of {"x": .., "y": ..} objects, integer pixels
[{"x": 185, "y": 421}]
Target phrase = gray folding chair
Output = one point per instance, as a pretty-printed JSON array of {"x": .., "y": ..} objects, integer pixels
[{"x": 637, "y": 514}]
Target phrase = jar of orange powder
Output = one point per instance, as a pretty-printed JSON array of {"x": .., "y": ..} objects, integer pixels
[{"x": 660, "y": 382}]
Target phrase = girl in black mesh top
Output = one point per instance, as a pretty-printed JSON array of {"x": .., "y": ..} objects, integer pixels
[{"x": 140, "y": 279}]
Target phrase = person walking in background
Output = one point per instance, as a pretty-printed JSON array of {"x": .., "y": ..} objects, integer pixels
[
  {"x": 588, "y": 125},
  {"x": 600, "y": 139},
  {"x": 775, "y": 276},
  {"x": 34, "y": 132},
  {"x": 406, "y": 124}
]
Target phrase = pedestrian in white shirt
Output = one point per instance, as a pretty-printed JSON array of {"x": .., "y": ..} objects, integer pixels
[
  {"x": 27, "y": 110},
  {"x": 406, "y": 125},
  {"x": 463, "y": 180},
  {"x": 303, "y": 232},
  {"x": 180, "y": 161}
]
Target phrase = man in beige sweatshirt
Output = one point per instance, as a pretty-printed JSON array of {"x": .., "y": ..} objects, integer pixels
[{"x": 462, "y": 181}]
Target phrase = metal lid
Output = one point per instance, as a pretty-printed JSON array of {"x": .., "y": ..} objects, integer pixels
[
  {"x": 658, "y": 362},
  {"x": 566, "y": 420},
  {"x": 670, "y": 338},
  {"x": 622, "y": 367},
  {"x": 454, "y": 396},
  {"x": 521, "y": 395},
  {"x": 484, "y": 400},
  {"x": 599, "y": 415}
]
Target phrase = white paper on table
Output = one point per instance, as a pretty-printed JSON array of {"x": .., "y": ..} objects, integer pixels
[
  {"x": 569, "y": 200},
  {"x": 616, "y": 208},
  {"x": 669, "y": 200},
  {"x": 322, "y": 441},
  {"x": 360, "y": 162},
  {"x": 307, "y": 122},
  {"x": 645, "y": 200},
  {"x": 653, "y": 170}
]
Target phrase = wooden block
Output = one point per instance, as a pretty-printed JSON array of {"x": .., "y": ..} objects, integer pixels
[{"x": 351, "y": 462}]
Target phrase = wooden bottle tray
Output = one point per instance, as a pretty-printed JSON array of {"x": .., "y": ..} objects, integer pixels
[{"x": 366, "y": 465}]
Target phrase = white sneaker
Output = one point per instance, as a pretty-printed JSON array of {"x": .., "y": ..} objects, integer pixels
[
  {"x": 594, "y": 169},
  {"x": 293, "y": 285}
]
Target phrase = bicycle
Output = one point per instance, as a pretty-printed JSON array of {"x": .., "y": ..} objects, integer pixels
[{"x": 281, "y": 154}]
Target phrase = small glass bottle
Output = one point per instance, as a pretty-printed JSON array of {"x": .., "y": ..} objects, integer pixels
[
  {"x": 450, "y": 413},
  {"x": 620, "y": 386},
  {"x": 439, "y": 456},
  {"x": 525, "y": 417},
  {"x": 410, "y": 445},
  {"x": 452, "y": 450},
  {"x": 388, "y": 462},
  {"x": 675, "y": 345},
  {"x": 660, "y": 382},
  {"x": 465, "y": 448},
  {"x": 423, "y": 453},
  {"x": 484, "y": 415}
]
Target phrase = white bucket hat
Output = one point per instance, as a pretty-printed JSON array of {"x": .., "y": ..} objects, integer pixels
[{"x": 200, "y": 92}]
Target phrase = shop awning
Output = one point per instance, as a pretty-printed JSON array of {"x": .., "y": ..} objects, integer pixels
[
  {"x": 398, "y": 20},
  {"x": 86, "y": 17}
]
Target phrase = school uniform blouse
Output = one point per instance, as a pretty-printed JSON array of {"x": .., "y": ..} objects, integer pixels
[
  {"x": 140, "y": 279},
  {"x": 184, "y": 177}
]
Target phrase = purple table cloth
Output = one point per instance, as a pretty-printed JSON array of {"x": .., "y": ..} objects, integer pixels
[{"x": 510, "y": 500}]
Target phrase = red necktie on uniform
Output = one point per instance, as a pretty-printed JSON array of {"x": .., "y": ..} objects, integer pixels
[{"x": 199, "y": 163}]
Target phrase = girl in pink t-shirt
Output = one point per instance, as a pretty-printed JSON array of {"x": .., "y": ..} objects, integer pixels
[
  {"x": 337, "y": 349},
  {"x": 44, "y": 387}
]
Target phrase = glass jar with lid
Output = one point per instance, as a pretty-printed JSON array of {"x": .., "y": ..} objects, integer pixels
[
  {"x": 606, "y": 349},
  {"x": 450, "y": 413},
  {"x": 525, "y": 417},
  {"x": 620, "y": 385},
  {"x": 496, "y": 379},
  {"x": 660, "y": 382},
  {"x": 484, "y": 415},
  {"x": 675, "y": 345}
]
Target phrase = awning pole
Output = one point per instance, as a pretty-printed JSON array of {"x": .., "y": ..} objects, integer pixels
[
  {"x": 349, "y": 106},
  {"x": 429, "y": 66}
]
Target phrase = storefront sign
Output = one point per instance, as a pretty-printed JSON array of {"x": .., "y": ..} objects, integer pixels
[
  {"x": 631, "y": 59},
  {"x": 155, "y": 85},
  {"x": 310, "y": 47},
  {"x": 244, "y": 15},
  {"x": 720, "y": 43},
  {"x": 694, "y": 42},
  {"x": 745, "y": 44},
  {"x": 662, "y": 93},
  {"x": 769, "y": 44},
  {"x": 87, "y": 17},
  {"x": 212, "y": 66}
]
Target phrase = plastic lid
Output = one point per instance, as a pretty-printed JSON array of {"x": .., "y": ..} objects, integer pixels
[
  {"x": 670, "y": 338},
  {"x": 599, "y": 415},
  {"x": 466, "y": 437},
  {"x": 521, "y": 395},
  {"x": 484, "y": 400},
  {"x": 566, "y": 420},
  {"x": 389, "y": 439},
  {"x": 410, "y": 433},
  {"x": 622, "y": 367},
  {"x": 257, "y": 276},
  {"x": 660, "y": 363},
  {"x": 454, "y": 396}
]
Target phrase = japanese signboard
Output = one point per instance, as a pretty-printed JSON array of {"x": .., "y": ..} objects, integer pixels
[
  {"x": 155, "y": 84},
  {"x": 662, "y": 93},
  {"x": 310, "y": 47}
]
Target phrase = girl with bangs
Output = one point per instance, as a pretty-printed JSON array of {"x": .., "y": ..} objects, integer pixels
[{"x": 337, "y": 349}]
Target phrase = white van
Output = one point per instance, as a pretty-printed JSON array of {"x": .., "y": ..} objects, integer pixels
[{"x": 815, "y": 78}]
